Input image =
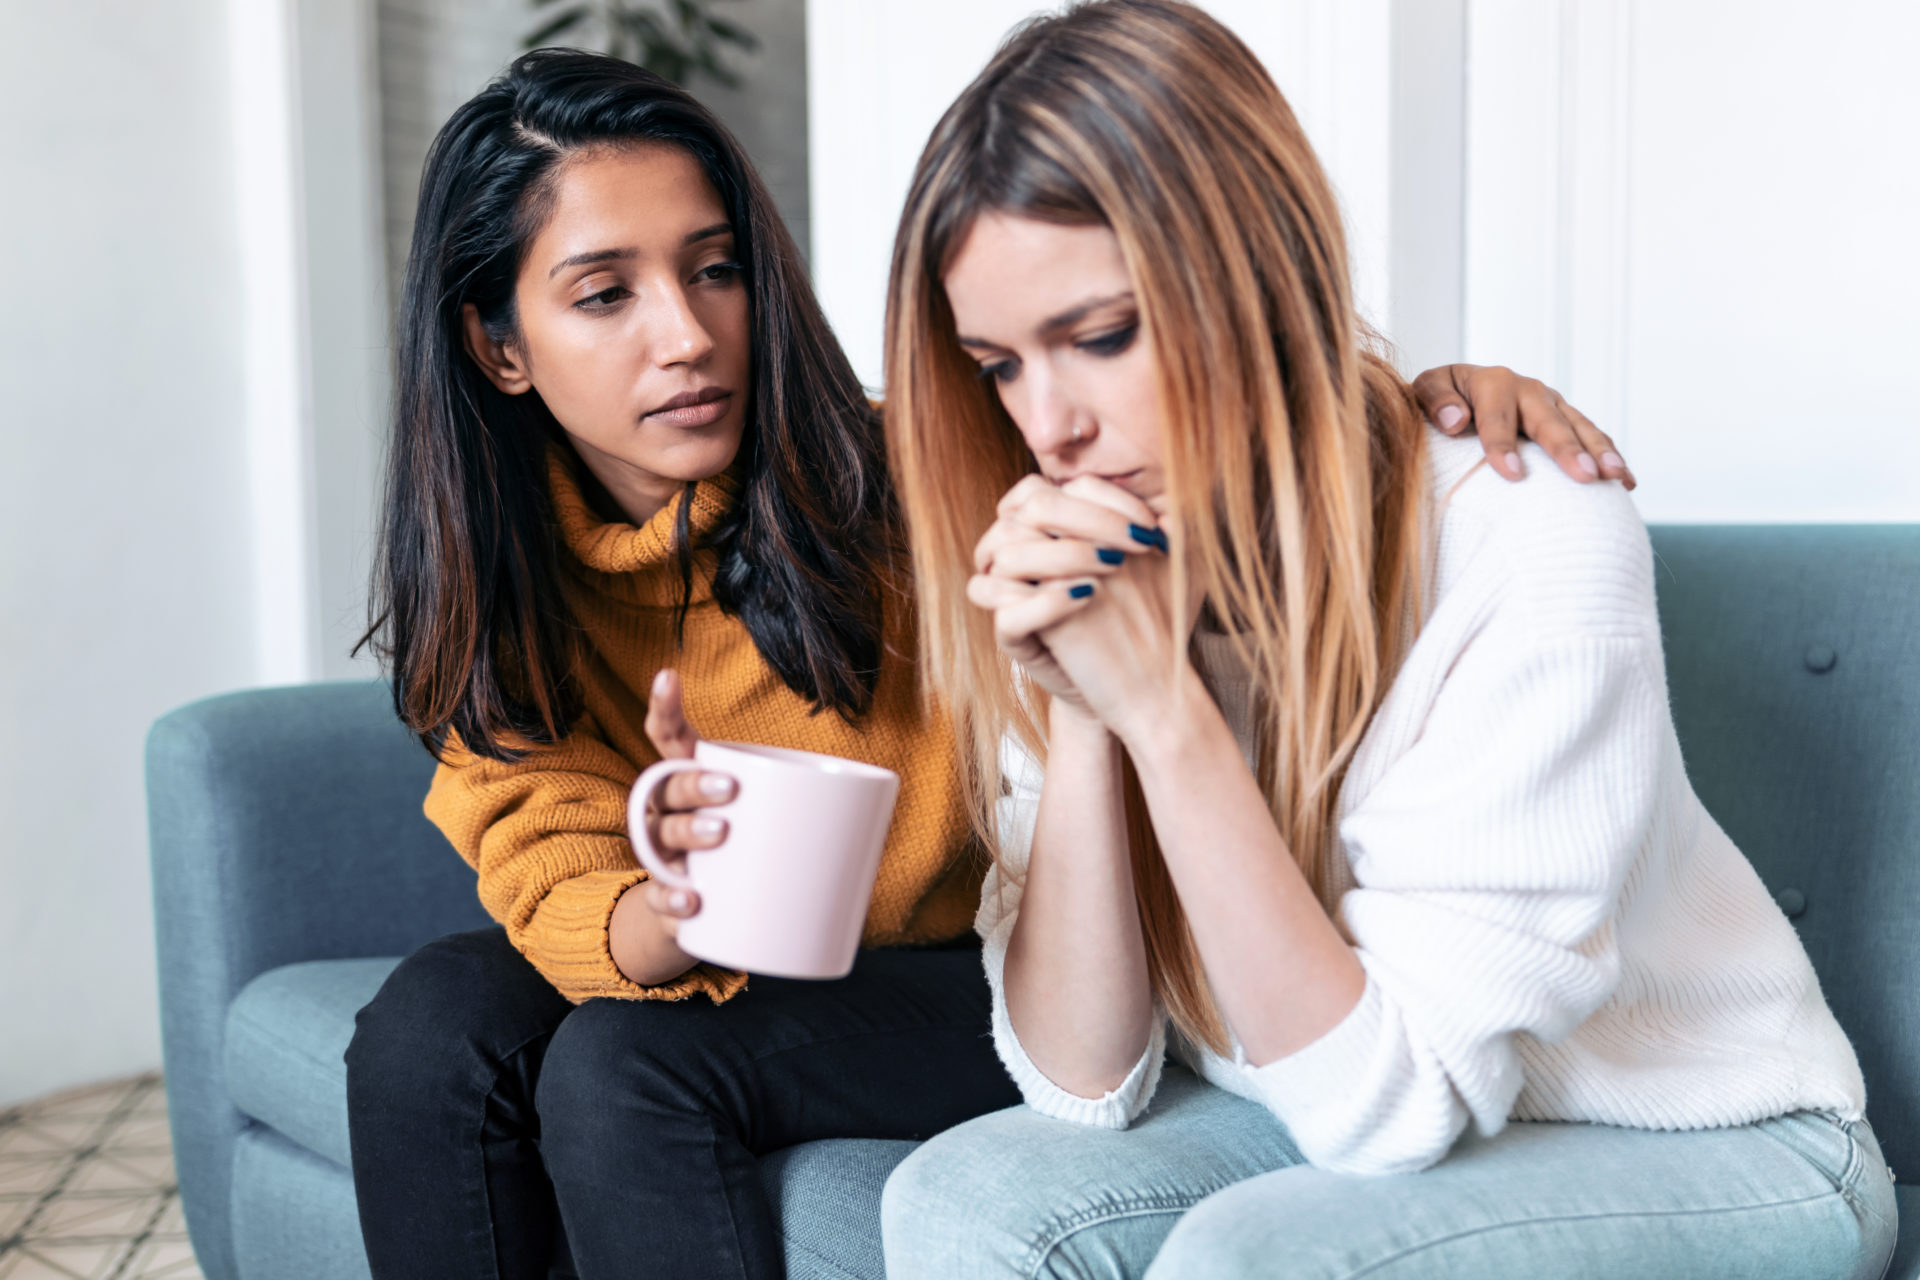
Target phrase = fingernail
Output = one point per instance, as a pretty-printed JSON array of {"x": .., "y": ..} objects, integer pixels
[
  {"x": 1512, "y": 463},
  {"x": 1081, "y": 591},
  {"x": 659, "y": 681},
  {"x": 707, "y": 828},
  {"x": 679, "y": 900},
  {"x": 716, "y": 786},
  {"x": 1588, "y": 467},
  {"x": 1109, "y": 556},
  {"x": 1451, "y": 417},
  {"x": 1613, "y": 461},
  {"x": 1155, "y": 538}
]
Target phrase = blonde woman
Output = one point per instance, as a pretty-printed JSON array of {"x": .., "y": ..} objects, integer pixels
[{"x": 1309, "y": 747}]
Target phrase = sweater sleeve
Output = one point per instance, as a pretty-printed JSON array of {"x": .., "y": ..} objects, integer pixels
[
  {"x": 548, "y": 836},
  {"x": 999, "y": 909},
  {"x": 1486, "y": 859}
]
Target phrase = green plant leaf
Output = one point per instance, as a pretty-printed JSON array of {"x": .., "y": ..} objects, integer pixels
[
  {"x": 545, "y": 33},
  {"x": 733, "y": 33}
]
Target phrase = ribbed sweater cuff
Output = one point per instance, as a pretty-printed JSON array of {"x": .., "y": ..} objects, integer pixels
[
  {"x": 573, "y": 952},
  {"x": 1114, "y": 1109},
  {"x": 1328, "y": 1067}
]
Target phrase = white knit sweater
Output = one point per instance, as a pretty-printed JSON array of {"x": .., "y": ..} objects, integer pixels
[{"x": 1551, "y": 925}]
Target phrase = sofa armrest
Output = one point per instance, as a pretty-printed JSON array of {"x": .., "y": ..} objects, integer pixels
[{"x": 285, "y": 825}]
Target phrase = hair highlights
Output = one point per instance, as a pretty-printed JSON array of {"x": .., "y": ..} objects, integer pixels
[{"x": 1281, "y": 421}]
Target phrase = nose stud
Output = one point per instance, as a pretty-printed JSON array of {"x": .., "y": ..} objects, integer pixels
[{"x": 1075, "y": 434}]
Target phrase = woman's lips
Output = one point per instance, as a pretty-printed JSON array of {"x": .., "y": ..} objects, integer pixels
[{"x": 693, "y": 409}]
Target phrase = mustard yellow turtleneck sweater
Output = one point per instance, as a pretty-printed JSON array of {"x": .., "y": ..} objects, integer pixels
[{"x": 548, "y": 833}]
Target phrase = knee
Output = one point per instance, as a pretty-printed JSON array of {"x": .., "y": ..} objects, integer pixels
[
  {"x": 625, "y": 1073},
  {"x": 427, "y": 1026},
  {"x": 965, "y": 1204},
  {"x": 1320, "y": 1223},
  {"x": 923, "y": 1224},
  {"x": 1212, "y": 1239}
]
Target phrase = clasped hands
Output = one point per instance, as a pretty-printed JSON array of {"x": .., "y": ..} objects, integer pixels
[{"x": 1079, "y": 580}]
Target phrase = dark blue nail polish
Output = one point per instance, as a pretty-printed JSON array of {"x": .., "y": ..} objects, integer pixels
[
  {"x": 1109, "y": 556},
  {"x": 1148, "y": 537},
  {"x": 1080, "y": 591}
]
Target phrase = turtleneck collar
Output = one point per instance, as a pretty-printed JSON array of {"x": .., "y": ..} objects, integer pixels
[{"x": 637, "y": 564}]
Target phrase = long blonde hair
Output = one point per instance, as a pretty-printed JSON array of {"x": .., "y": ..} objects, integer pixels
[{"x": 1151, "y": 118}]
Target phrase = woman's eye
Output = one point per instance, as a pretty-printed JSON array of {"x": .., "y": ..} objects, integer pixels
[
  {"x": 605, "y": 298},
  {"x": 1111, "y": 343},
  {"x": 721, "y": 271},
  {"x": 999, "y": 371}
]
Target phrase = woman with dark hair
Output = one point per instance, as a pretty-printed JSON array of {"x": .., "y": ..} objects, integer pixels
[
  {"x": 635, "y": 487},
  {"x": 631, "y": 467}
]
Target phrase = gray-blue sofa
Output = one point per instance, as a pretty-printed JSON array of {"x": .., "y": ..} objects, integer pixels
[{"x": 292, "y": 867}]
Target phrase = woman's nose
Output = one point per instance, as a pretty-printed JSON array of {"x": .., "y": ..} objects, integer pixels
[
  {"x": 1055, "y": 423},
  {"x": 678, "y": 336}
]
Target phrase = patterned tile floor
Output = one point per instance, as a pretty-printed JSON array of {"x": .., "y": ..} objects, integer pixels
[{"x": 87, "y": 1189}]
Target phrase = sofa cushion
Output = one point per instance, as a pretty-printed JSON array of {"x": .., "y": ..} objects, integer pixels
[
  {"x": 293, "y": 1212},
  {"x": 1792, "y": 654},
  {"x": 287, "y": 1034},
  {"x": 1906, "y": 1251}
]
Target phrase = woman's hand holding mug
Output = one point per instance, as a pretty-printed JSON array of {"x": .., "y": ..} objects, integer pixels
[
  {"x": 643, "y": 934},
  {"x": 788, "y": 894}
]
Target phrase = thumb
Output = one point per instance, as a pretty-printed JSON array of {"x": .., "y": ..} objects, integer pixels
[{"x": 667, "y": 723}]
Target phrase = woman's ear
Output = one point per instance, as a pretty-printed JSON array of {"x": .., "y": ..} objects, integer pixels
[{"x": 501, "y": 363}]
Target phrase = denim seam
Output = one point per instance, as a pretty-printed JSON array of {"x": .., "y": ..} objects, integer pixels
[
  {"x": 834, "y": 1267},
  {"x": 1425, "y": 1245},
  {"x": 1856, "y": 1168},
  {"x": 733, "y": 1219},
  {"x": 1062, "y": 1229},
  {"x": 1846, "y": 1182},
  {"x": 501, "y": 1066}
]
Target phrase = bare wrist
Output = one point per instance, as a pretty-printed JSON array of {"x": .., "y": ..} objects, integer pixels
[
  {"x": 639, "y": 943},
  {"x": 1166, "y": 726},
  {"x": 1069, "y": 726}
]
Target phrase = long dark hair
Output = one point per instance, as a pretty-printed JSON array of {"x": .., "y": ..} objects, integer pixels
[{"x": 466, "y": 610}]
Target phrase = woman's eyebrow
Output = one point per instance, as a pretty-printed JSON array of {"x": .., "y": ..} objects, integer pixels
[
  {"x": 1055, "y": 323},
  {"x": 1074, "y": 315},
  {"x": 592, "y": 256},
  {"x": 717, "y": 229}
]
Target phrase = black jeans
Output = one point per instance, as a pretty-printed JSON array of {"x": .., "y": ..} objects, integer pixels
[{"x": 486, "y": 1111}]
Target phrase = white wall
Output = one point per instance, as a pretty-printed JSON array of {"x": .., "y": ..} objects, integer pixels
[
  {"x": 1691, "y": 217},
  {"x": 1698, "y": 220},
  {"x": 125, "y": 584},
  {"x": 184, "y": 501}
]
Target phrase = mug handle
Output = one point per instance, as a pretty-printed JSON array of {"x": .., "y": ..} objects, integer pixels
[{"x": 643, "y": 788}]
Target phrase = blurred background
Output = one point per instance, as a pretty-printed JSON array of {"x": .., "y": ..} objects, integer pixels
[{"x": 1694, "y": 217}]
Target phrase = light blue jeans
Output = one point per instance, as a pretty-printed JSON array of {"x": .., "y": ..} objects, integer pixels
[{"x": 1207, "y": 1186}]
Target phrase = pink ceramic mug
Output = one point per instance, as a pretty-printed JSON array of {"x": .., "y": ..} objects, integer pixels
[{"x": 785, "y": 894}]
